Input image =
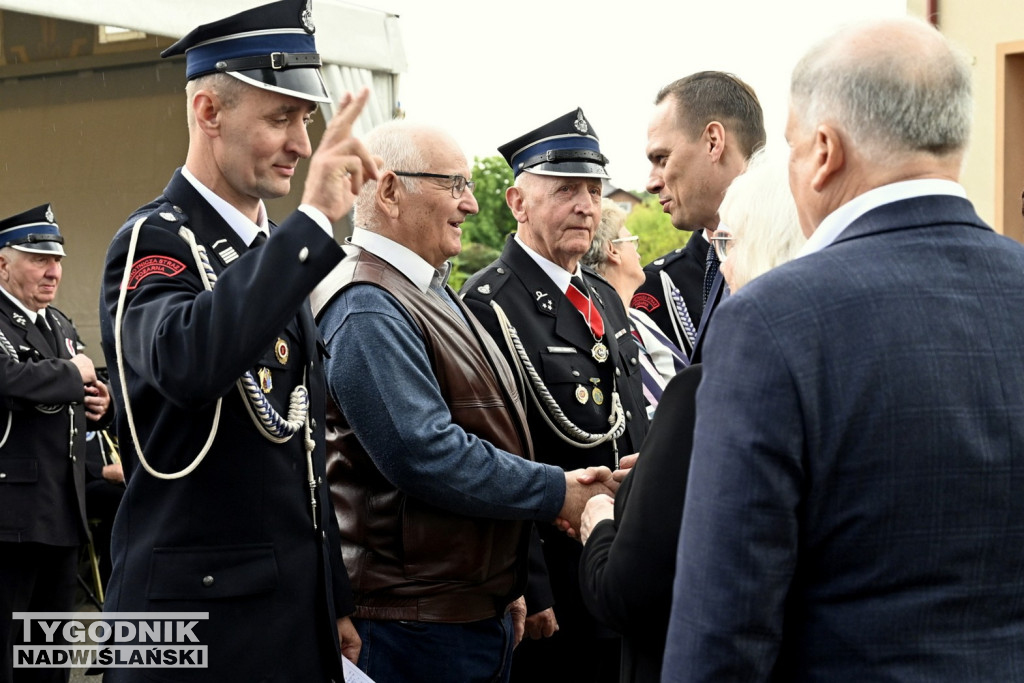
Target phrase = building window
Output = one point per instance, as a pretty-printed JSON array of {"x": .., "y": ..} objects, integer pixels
[{"x": 116, "y": 34}]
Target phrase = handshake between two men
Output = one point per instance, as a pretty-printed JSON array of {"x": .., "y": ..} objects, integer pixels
[{"x": 583, "y": 484}]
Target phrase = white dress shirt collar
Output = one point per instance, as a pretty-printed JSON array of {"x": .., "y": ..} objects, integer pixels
[
  {"x": 405, "y": 260},
  {"x": 836, "y": 222},
  {"x": 559, "y": 275},
  {"x": 243, "y": 227},
  {"x": 31, "y": 314}
]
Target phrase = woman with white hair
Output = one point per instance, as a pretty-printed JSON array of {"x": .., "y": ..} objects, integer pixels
[{"x": 763, "y": 227}]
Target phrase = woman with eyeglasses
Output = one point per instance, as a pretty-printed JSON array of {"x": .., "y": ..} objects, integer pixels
[{"x": 614, "y": 255}]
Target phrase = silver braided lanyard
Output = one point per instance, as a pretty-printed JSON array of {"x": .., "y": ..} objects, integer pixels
[
  {"x": 549, "y": 409},
  {"x": 268, "y": 422},
  {"x": 9, "y": 349}
]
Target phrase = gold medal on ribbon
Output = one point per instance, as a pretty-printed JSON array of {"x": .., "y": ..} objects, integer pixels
[
  {"x": 598, "y": 396},
  {"x": 581, "y": 393},
  {"x": 599, "y": 352},
  {"x": 266, "y": 380}
]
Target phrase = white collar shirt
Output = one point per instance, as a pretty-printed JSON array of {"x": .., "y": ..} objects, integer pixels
[{"x": 836, "y": 222}]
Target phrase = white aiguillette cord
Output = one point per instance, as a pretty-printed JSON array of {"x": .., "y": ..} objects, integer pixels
[
  {"x": 299, "y": 404},
  {"x": 119, "y": 353}
]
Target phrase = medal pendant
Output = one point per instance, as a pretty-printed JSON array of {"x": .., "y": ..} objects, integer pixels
[
  {"x": 266, "y": 380},
  {"x": 581, "y": 393},
  {"x": 281, "y": 351},
  {"x": 598, "y": 396},
  {"x": 599, "y": 352}
]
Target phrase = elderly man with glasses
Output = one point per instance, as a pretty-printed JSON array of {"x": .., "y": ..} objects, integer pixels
[{"x": 430, "y": 462}]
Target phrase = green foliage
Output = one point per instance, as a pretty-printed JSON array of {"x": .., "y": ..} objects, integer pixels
[
  {"x": 474, "y": 256},
  {"x": 657, "y": 234},
  {"x": 483, "y": 235},
  {"x": 494, "y": 221}
]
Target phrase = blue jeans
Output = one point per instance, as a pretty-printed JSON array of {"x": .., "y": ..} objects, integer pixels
[{"x": 424, "y": 652}]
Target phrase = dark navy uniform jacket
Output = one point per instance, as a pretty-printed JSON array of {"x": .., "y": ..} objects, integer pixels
[
  {"x": 558, "y": 343},
  {"x": 42, "y": 462},
  {"x": 685, "y": 267},
  {"x": 235, "y": 537}
]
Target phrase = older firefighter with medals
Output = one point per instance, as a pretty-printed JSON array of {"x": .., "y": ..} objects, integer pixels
[
  {"x": 565, "y": 333},
  {"x": 51, "y": 396},
  {"x": 215, "y": 365}
]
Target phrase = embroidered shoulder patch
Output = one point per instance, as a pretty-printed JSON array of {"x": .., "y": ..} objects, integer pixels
[
  {"x": 153, "y": 265},
  {"x": 644, "y": 302}
]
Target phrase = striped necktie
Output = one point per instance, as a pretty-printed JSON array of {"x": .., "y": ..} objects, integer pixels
[{"x": 576, "y": 292}]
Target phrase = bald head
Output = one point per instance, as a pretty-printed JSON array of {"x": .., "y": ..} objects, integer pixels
[
  {"x": 423, "y": 211},
  {"x": 402, "y": 146},
  {"x": 894, "y": 87}
]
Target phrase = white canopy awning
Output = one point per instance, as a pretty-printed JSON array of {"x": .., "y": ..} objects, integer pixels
[
  {"x": 359, "y": 46},
  {"x": 346, "y": 34}
]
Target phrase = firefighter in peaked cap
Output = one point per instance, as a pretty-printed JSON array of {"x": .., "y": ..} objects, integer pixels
[
  {"x": 564, "y": 330},
  {"x": 51, "y": 396},
  {"x": 214, "y": 361}
]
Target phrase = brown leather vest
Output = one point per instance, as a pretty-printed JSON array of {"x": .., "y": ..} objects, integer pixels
[{"x": 408, "y": 559}]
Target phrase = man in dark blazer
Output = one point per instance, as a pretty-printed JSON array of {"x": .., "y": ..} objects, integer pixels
[
  {"x": 704, "y": 128},
  {"x": 565, "y": 333},
  {"x": 853, "y": 508},
  {"x": 50, "y": 394},
  {"x": 214, "y": 362}
]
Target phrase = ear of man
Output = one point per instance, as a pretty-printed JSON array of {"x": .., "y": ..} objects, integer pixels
[
  {"x": 206, "y": 108},
  {"x": 829, "y": 156},
  {"x": 715, "y": 138},
  {"x": 516, "y": 203},
  {"x": 388, "y": 195}
]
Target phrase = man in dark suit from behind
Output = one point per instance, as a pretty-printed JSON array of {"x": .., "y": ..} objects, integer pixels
[
  {"x": 702, "y": 132},
  {"x": 860, "y": 518}
]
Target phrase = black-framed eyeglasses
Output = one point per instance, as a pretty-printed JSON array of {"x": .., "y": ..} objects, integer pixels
[{"x": 458, "y": 182}]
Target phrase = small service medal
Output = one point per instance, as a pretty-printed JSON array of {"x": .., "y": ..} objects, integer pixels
[
  {"x": 281, "y": 351},
  {"x": 599, "y": 352},
  {"x": 598, "y": 396},
  {"x": 266, "y": 380},
  {"x": 581, "y": 393}
]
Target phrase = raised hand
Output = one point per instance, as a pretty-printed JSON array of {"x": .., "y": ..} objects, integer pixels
[{"x": 341, "y": 164}]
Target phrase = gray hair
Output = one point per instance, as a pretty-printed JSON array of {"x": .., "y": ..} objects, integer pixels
[
  {"x": 760, "y": 213},
  {"x": 892, "y": 97},
  {"x": 228, "y": 88},
  {"x": 612, "y": 220},
  {"x": 396, "y": 142}
]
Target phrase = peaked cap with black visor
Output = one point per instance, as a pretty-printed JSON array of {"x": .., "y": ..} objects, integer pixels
[
  {"x": 567, "y": 146},
  {"x": 269, "y": 47},
  {"x": 34, "y": 231}
]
